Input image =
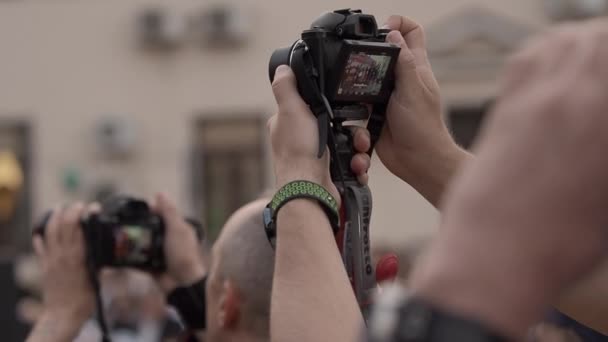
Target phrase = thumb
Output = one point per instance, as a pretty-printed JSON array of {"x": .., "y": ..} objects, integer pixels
[
  {"x": 285, "y": 88},
  {"x": 406, "y": 63},
  {"x": 39, "y": 247}
]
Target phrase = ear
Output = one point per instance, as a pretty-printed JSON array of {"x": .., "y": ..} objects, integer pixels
[{"x": 230, "y": 306}]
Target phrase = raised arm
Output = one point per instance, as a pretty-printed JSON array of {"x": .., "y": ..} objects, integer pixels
[
  {"x": 526, "y": 219},
  {"x": 312, "y": 299},
  {"x": 67, "y": 294}
]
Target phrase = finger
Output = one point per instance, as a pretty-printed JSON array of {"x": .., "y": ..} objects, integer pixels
[
  {"x": 414, "y": 36},
  {"x": 52, "y": 229},
  {"x": 93, "y": 208},
  {"x": 167, "y": 209},
  {"x": 285, "y": 89},
  {"x": 71, "y": 222},
  {"x": 360, "y": 163},
  {"x": 153, "y": 203},
  {"x": 363, "y": 179},
  {"x": 361, "y": 139},
  {"x": 406, "y": 63},
  {"x": 271, "y": 122},
  {"x": 39, "y": 247}
]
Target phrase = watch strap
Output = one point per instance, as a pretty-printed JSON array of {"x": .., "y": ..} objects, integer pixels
[
  {"x": 297, "y": 190},
  {"x": 401, "y": 317}
]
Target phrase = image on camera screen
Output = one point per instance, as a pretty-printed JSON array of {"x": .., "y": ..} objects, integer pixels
[
  {"x": 364, "y": 74},
  {"x": 132, "y": 244}
]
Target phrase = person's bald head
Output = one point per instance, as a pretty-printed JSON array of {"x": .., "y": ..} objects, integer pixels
[{"x": 240, "y": 278}]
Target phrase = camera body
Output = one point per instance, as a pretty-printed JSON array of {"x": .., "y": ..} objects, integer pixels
[
  {"x": 346, "y": 58},
  {"x": 126, "y": 233}
]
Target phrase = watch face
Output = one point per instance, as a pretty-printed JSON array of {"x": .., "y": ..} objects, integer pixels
[{"x": 269, "y": 226}]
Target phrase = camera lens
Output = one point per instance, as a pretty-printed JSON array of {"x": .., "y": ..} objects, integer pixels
[{"x": 279, "y": 57}]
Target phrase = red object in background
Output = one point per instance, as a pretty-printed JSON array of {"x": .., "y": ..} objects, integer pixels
[{"x": 387, "y": 268}]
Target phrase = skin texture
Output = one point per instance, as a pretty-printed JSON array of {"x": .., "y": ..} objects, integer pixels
[
  {"x": 240, "y": 279},
  {"x": 424, "y": 157},
  {"x": 415, "y": 144},
  {"x": 487, "y": 240},
  {"x": 185, "y": 265},
  {"x": 182, "y": 249},
  {"x": 306, "y": 250},
  {"x": 67, "y": 295},
  {"x": 543, "y": 148},
  {"x": 549, "y": 333},
  {"x": 586, "y": 301}
]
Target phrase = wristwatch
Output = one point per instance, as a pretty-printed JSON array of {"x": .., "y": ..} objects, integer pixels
[
  {"x": 295, "y": 190},
  {"x": 399, "y": 316}
]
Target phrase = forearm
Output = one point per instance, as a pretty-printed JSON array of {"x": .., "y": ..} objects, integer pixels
[
  {"x": 587, "y": 302},
  {"x": 475, "y": 280},
  {"x": 430, "y": 173},
  {"x": 56, "y": 328},
  {"x": 312, "y": 299}
]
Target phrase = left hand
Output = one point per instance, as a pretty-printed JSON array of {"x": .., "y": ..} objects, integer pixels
[
  {"x": 66, "y": 290},
  {"x": 415, "y": 140},
  {"x": 295, "y": 138}
]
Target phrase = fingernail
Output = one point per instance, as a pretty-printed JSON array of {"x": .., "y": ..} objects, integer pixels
[
  {"x": 281, "y": 70},
  {"x": 385, "y": 27}
]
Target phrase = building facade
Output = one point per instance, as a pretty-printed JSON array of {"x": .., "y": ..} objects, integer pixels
[{"x": 142, "y": 96}]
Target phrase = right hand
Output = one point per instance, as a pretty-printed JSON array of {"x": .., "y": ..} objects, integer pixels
[
  {"x": 527, "y": 217},
  {"x": 182, "y": 248},
  {"x": 414, "y": 128}
]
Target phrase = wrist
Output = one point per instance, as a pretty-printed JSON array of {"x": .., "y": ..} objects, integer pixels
[
  {"x": 321, "y": 178},
  {"x": 429, "y": 171},
  {"x": 63, "y": 322},
  {"x": 484, "y": 289},
  {"x": 189, "y": 275},
  {"x": 309, "y": 171}
]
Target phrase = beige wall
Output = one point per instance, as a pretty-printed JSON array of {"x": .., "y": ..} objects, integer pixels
[{"x": 64, "y": 63}]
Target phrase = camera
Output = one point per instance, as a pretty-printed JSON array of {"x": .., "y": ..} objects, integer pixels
[
  {"x": 126, "y": 233},
  {"x": 345, "y": 72},
  {"x": 346, "y": 57}
]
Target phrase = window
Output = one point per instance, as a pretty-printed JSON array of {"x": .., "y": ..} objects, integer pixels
[
  {"x": 465, "y": 123},
  {"x": 14, "y": 233},
  {"x": 229, "y": 167}
]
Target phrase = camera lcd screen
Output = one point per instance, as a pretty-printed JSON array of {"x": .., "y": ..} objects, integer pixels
[
  {"x": 132, "y": 244},
  {"x": 364, "y": 74}
]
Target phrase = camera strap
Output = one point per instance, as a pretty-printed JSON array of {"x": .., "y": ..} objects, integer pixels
[
  {"x": 354, "y": 243},
  {"x": 93, "y": 271},
  {"x": 353, "y": 238}
]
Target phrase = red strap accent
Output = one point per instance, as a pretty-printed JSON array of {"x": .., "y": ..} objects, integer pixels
[{"x": 387, "y": 268}]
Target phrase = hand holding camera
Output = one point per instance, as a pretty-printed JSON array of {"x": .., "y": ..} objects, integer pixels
[
  {"x": 67, "y": 292},
  {"x": 415, "y": 144},
  {"x": 181, "y": 247},
  {"x": 126, "y": 232},
  {"x": 75, "y": 244}
]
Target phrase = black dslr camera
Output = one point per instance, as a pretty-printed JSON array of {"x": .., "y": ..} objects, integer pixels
[
  {"x": 342, "y": 62},
  {"x": 345, "y": 72},
  {"x": 126, "y": 233}
]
